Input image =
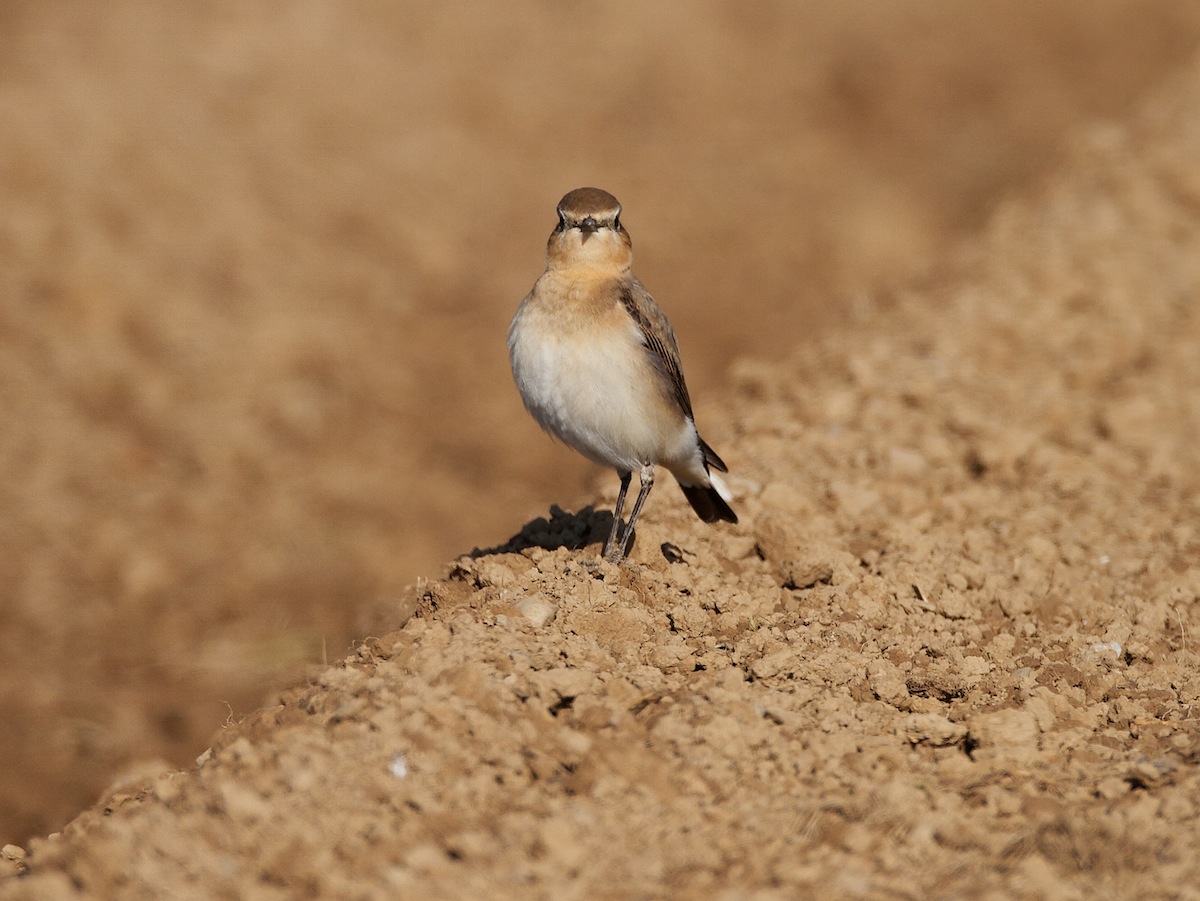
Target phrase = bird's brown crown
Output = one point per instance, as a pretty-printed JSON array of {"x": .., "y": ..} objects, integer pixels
[{"x": 584, "y": 203}]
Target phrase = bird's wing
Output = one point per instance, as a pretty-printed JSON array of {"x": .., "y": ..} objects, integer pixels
[{"x": 658, "y": 338}]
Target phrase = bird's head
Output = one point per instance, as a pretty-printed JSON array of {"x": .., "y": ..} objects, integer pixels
[{"x": 589, "y": 233}]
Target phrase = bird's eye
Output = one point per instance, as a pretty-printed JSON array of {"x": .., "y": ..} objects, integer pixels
[
  {"x": 562, "y": 223},
  {"x": 617, "y": 223}
]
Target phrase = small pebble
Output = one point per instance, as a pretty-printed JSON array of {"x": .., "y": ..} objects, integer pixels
[
  {"x": 537, "y": 611},
  {"x": 399, "y": 766}
]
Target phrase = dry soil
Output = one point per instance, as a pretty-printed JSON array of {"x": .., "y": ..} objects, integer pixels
[{"x": 947, "y": 651}]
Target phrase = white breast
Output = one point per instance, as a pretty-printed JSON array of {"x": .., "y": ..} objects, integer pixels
[{"x": 596, "y": 390}]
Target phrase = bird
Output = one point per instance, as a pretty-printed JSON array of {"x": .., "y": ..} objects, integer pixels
[{"x": 597, "y": 365}]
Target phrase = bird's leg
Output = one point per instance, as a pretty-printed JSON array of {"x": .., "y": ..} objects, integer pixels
[
  {"x": 611, "y": 544},
  {"x": 646, "y": 482}
]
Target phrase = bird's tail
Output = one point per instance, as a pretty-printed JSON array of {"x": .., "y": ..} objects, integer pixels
[
  {"x": 708, "y": 503},
  {"x": 711, "y": 501}
]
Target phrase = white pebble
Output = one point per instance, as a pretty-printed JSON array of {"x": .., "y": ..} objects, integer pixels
[
  {"x": 537, "y": 611},
  {"x": 399, "y": 766}
]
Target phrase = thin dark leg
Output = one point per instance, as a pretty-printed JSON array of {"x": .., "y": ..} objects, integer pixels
[
  {"x": 616, "y": 526},
  {"x": 646, "y": 478}
]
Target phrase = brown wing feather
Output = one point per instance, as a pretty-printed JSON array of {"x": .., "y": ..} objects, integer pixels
[
  {"x": 659, "y": 339},
  {"x": 711, "y": 458}
]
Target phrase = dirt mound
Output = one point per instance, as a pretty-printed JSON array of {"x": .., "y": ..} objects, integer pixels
[
  {"x": 256, "y": 266},
  {"x": 948, "y": 652}
]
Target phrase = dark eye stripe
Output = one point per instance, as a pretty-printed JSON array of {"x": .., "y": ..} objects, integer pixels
[{"x": 574, "y": 221}]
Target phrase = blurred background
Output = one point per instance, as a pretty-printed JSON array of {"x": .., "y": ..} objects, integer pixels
[{"x": 257, "y": 261}]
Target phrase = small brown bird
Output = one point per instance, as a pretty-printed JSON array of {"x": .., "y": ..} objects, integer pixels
[{"x": 597, "y": 365}]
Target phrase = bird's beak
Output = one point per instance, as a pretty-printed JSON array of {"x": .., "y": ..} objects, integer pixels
[{"x": 588, "y": 226}]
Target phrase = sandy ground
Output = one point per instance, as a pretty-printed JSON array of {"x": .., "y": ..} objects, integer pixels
[
  {"x": 948, "y": 652},
  {"x": 255, "y": 382}
]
